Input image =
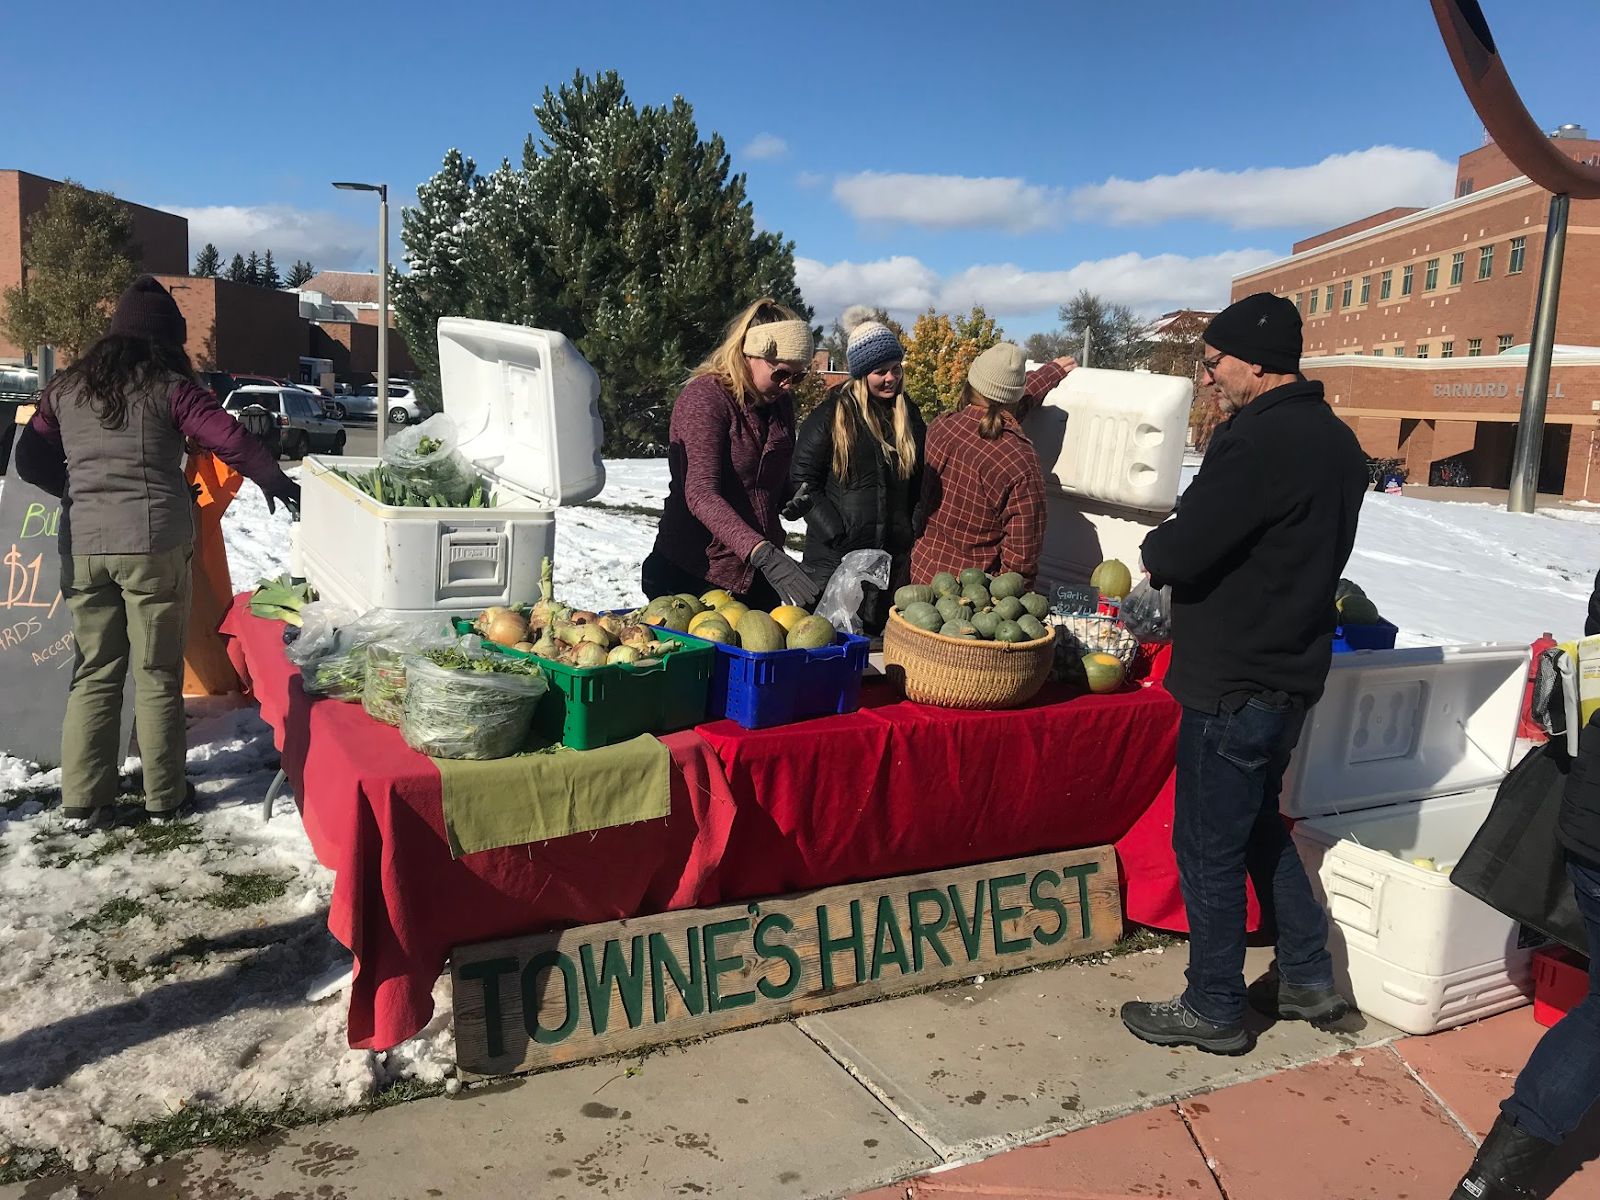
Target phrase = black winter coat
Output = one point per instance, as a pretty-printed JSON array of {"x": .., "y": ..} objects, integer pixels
[
  {"x": 1579, "y": 828},
  {"x": 871, "y": 508},
  {"x": 1256, "y": 550}
]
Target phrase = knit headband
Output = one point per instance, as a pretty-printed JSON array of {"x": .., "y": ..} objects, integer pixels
[{"x": 779, "y": 341}]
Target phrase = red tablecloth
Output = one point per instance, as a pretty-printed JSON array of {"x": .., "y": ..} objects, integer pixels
[
  {"x": 373, "y": 811},
  {"x": 895, "y": 788}
]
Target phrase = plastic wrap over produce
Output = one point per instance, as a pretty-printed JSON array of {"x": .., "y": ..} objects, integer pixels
[
  {"x": 461, "y": 704},
  {"x": 383, "y": 690}
]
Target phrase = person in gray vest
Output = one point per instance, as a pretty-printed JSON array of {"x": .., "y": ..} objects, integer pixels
[{"x": 108, "y": 438}]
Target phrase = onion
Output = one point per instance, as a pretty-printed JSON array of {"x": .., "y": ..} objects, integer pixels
[{"x": 507, "y": 628}]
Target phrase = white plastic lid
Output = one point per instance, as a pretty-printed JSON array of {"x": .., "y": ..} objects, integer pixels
[
  {"x": 527, "y": 405},
  {"x": 1405, "y": 725}
]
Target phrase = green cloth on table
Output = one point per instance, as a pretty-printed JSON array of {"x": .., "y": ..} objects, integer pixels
[{"x": 549, "y": 794}]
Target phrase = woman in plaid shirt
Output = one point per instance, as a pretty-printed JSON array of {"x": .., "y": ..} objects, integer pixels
[{"x": 982, "y": 489}]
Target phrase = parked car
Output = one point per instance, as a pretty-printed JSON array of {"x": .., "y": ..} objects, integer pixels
[
  {"x": 362, "y": 404},
  {"x": 302, "y": 427}
]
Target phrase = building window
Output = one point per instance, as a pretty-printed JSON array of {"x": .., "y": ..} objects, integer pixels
[
  {"x": 1474, "y": 347},
  {"x": 1314, "y": 299},
  {"x": 1447, "y": 349},
  {"x": 1377, "y": 352},
  {"x": 1349, "y": 286},
  {"x": 1422, "y": 349},
  {"x": 1430, "y": 278},
  {"x": 1464, "y": 188},
  {"x": 1366, "y": 288},
  {"x": 1485, "y": 261},
  {"x": 1405, "y": 280},
  {"x": 1385, "y": 285},
  {"x": 1327, "y": 301},
  {"x": 1458, "y": 262},
  {"x": 1505, "y": 343},
  {"x": 1519, "y": 251},
  {"x": 1300, "y": 301},
  {"x": 1400, "y": 350}
]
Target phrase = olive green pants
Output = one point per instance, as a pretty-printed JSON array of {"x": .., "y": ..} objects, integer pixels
[{"x": 127, "y": 609}]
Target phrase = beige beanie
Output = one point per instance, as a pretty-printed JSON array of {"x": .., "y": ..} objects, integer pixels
[
  {"x": 780, "y": 341},
  {"x": 997, "y": 374}
]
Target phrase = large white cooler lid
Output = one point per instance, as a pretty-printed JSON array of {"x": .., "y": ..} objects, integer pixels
[
  {"x": 1406, "y": 725},
  {"x": 527, "y": 405}
]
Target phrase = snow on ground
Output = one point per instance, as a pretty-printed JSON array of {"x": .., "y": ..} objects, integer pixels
[{"x": 141, "y": 970}]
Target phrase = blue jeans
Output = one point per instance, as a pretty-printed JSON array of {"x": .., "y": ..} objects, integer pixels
[
  {"x": 1230, "y": 771},
  {"x": 1562, "y": 1079}
]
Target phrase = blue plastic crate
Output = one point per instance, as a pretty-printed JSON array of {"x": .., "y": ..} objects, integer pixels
[
  {"x": 1364, "y": 637},
  {"x": 780, "y": 686}
]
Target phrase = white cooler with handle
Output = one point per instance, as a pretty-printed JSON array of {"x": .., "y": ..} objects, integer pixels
[
  {"x": 1400, "y": 760},
  {"x": 527, "y": 407}
]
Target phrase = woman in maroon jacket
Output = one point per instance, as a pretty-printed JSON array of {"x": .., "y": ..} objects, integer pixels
[
  {"x": 108, "y": 438},
  {"x": 730, "y": 442}
]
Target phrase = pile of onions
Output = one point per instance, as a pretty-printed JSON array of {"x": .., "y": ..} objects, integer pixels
[{"x": 503, "y": 625}]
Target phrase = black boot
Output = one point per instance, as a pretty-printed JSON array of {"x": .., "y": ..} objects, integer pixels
[
  {"x": 1274, "y": 998},
  {"x": 1506, "y": 1166},
  {"x": 1174, "y": 1023}
]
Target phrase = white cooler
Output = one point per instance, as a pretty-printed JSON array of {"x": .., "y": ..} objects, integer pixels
[
  {"x": 1400, "y": 760},
  {"x": 527, "y": 406}
]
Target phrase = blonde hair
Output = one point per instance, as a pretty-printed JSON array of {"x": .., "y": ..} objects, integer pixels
[
  {"x": 727, "y": 362},
  {"x": 855, "y": 397}
]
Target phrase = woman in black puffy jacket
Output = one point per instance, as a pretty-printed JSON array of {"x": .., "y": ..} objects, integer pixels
[{"x": 857, "y": 465}]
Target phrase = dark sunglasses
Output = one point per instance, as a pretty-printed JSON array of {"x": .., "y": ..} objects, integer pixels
[{"x": 783, "y": 375}]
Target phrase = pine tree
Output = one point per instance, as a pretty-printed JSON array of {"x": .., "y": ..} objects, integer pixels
[
  {"x": 237, "y": 269},
  {"x": 269, "y": 273},
  {"x": 621, "y": 227},
  {"x": 252, "y": 269},
  {"x": 299, "y": 274},
  {"x": 79, "y": 255},
  {"x": 208, "y": 262}
]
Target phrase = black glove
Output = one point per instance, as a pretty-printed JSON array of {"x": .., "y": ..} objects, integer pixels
[
  {"x": 785, "y": 575},
  {"x": 286, "y": 490},
  {"x": 799, "y": 504}
]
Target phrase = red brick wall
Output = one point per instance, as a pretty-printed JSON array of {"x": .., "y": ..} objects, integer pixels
[
  {"x": 237, "y": 327},
  {"x": 1354, "y": 227},
  {"x": 1484, "y": 309},
  {"x": 1488, "y": 165}
]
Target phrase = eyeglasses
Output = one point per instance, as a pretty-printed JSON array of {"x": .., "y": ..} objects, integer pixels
[
  {"x": 783, "y": 376},
  {"x": 1210, "y": 365}
]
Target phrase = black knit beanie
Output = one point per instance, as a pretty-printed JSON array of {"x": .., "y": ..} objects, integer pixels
[
  {"x": 148, "y": 310},
  {"x": 1263, "y": 329}
]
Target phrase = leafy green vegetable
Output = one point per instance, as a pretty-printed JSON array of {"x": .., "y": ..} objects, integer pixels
[
  {"x": 281, "y": 599},
  {"x": 387, "y": 486}
]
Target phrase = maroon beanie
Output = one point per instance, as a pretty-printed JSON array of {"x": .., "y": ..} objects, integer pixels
[{"x": 148, "y": 310}]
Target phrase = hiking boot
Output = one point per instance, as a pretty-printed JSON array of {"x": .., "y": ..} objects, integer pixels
[
  {"x": 1174, "y": 1023},
  {"x": 1272, "y": 997},
  {"x": 84, "y": 821},
  {"x": 1506, "y": 1165},
  {"x": 185, "y": 808}
]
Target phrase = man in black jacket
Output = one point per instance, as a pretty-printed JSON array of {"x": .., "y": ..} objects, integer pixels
[{"x": 1253, "y": 558}]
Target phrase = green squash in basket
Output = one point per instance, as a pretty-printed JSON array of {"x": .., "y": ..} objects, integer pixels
[
  {"x": 923, "y": 616},
  {"x": 1009, "y": 607},
  {"x": 974, "y": 575},
  {"x": 1032, "y": 626},
  {"x": 986, "y": 623},
  {"x": 913, "y": 593},
  {"x": 1009, "y": 584},
  {"x": 958, "y": 629},
  {"x": 951, "y": 609},
  {"x": 944, "y": 584},
  {"x": 1035, "y": 604},
  {"x": 976, "y": 595},
  {"x": 1009, "y": 631}
]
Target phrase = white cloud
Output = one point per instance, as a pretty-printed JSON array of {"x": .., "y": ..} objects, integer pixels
[
  {"x": 330, "y": 241},
  {"x": 905, "y": 286},
  {"x": 1340, "y": 188},
  {"x": 949, "y": 201},
  {"x": 810, "y": 179},
  {"x": 766, "y": 146}
]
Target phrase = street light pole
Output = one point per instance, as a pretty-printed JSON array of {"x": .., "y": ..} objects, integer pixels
[
  {"x": 1541, "y": 349},
  {"x": 383, "y": 300}
]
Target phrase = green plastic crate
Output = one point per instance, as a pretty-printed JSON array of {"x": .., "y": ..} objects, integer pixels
[{"x": 589, "y": 707}]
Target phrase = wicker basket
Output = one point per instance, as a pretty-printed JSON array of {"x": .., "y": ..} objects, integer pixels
[{"x": 960, "y": 672}]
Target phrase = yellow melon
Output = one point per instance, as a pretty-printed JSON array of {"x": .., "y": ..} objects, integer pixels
[{"x": 789, "y": 615}]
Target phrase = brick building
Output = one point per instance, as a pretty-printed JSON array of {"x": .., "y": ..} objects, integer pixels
[
  {"x": 162, "y": 237},
  {"x": 1406, "y": 312}
]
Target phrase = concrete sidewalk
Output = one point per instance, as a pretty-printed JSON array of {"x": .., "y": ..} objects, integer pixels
[{"x": 828, "y": 1105}]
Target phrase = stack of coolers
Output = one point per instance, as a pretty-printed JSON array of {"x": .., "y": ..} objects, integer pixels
[
  {"x": 1111, "y": 446},
  {"x": 1395, "y": 772},
  {"x": 527, "y": 407}
]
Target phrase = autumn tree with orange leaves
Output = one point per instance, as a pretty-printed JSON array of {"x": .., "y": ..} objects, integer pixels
[{"x": 939, "y": 352}]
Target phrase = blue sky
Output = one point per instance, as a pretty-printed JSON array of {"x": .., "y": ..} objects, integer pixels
[{"x": 943, "y": 153}]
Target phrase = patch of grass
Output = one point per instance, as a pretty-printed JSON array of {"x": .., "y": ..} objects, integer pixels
[
  {"x": 111, "y": 915},
  {"x": 159, "y": 837},
  {"x": 635, "y": 510},
  {"x": 224, "y": 1127},
  {"x": 19, "y": 1163},
  {"x": 248, "y": 889},
  {"x": 1144, "y": 938}
]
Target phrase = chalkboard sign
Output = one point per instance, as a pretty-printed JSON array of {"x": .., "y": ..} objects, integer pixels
[
  {"x": 1072, "y": 598},
  {"x": 36, "y": 649}
]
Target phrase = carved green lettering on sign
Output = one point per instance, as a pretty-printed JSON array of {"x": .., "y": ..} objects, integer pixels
[
  {"x": 998, "y": 915},
  {"x": 770, "y": 948},
  {"x": 549, "y": 960},
  {"x": 629, "y": 981}
]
